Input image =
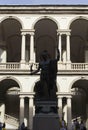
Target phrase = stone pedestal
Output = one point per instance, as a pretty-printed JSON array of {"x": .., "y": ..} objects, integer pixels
[{"x": 46, "y": 122}]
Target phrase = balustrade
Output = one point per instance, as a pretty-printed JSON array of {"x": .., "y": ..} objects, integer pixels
[
  {"x": 34, "y": 66},
  {"x": 11, "y": 120}
]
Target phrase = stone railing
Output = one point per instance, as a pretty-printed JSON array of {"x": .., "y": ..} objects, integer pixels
[
  {"x": 73, "y": 66},
  {"x": 18, "y": 66},
  {"x": 29, "y": 66},
  {"x": 10, "y": 66},
  {"x": 11, "y": 120},
  {"x": 79, "y": 66}
]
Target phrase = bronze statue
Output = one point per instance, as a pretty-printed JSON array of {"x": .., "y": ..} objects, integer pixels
[{"x": 48, "y": 68}]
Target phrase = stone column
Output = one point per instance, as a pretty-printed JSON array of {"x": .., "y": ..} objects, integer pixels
[
  {"x": 69, "y": 114},
  {"x": 31, "y": 112},
  {"x": 32, "y": 54},
  {"x": 23, "y": 48},
  {"x": 21, "y": 109},
  {"x": 68, "y": 47},
  {"x": 2, "y": 113},
  {"x": 65, "y": 113},
  {"x": 87, "y": 116},
  {"x": 60, "y": 48},
  {"x": 60, "y": 106}
]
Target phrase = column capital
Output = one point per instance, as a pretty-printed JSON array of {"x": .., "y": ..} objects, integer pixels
[
  {"x": 26, "y": 94},
  {"x": 63, "y": 31},
  {"x": 31, "y": 33},
  {"x": 69, "y": 97},
  {"x": 23, "y": 33},
  {"x": 65, "y": 94},
  {"x": 68, "y": 33},
  {"x": 27, "y": 31},
  {"x": 59, "y": 33},
  {"x": 59, "y": 96},
  {"x": 31, "y": 96},
  {"x": 21, "y": 96}
]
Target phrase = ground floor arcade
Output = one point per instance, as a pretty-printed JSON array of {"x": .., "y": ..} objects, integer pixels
[{"x": 69, "y": 99}]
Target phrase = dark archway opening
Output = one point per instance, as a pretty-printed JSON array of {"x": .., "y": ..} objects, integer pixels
[
  {"x": 79, "y": 40},
  {"x": 45, "y": 37},
  {"x": 80, "y": 99},
  {"x": 10, "y": 40},
  {"x": 9, "y": 89}
]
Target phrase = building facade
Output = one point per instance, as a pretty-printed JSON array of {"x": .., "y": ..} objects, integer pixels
[{"x": 25, "y": 31}]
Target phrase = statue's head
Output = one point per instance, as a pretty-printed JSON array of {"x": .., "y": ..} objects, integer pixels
[{"x": 45, "y": 55}]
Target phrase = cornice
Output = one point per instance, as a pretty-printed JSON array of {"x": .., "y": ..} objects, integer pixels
[{"x": 44, "y": 9}]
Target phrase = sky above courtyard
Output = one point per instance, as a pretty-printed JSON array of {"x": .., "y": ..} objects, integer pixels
[{"x": 43, "y": 2}]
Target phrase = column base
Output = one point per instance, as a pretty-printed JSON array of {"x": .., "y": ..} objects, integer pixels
[{"x": 22, "y": 64}]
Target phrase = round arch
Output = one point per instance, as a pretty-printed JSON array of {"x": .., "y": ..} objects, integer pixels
[
  {"x": 78, "y": 38},
  {"x": 58, "y": 87},
  {"x": 13, "y": 17},
  {"x": 45, "y": 17},
  {"x": 11, "y": 26},
  {"x": 12, "y": 78},
  {"x": 9, "y": 87},
  {"x": 76, "y": 18},
  {"x": 79, "y": 91},
  {"x": 33, "y": 85},
  {"x": 45, "y": 34},
  {"x": 76, "y": 79}
]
